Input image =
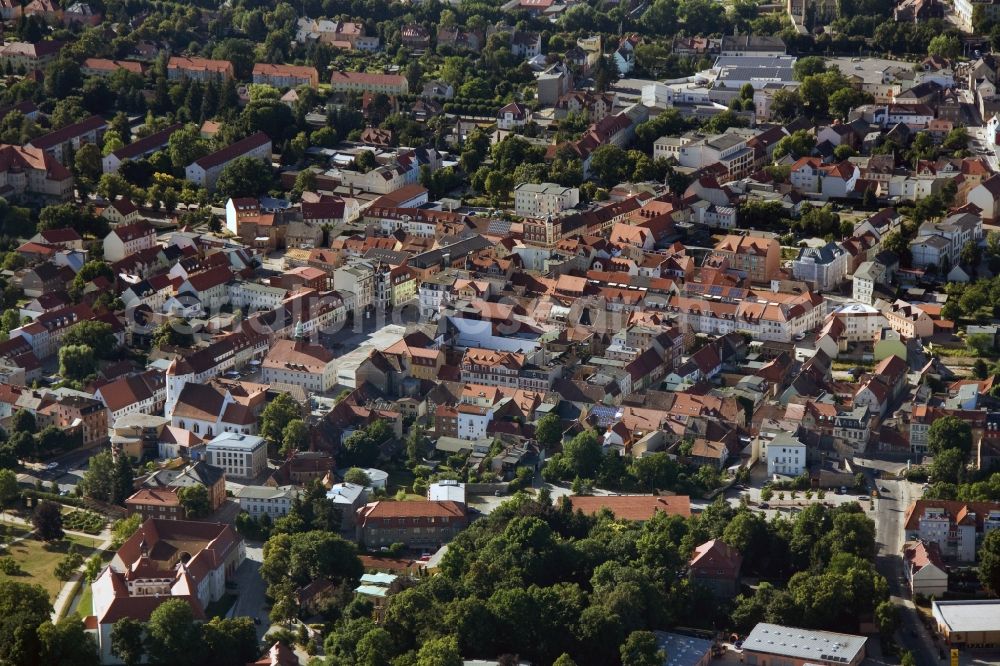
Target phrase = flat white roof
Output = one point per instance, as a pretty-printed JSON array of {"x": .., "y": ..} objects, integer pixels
[
  {"x": 980, "y": 615},
  {"x": 682, "y": 650},
  {"x": 815, "y": 646}
]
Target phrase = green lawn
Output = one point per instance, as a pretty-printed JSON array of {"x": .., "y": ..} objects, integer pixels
[
  {"x": 38, "y": 560},
  {"x": 86, "y": 605}
]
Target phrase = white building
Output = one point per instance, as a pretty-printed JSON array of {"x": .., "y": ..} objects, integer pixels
[
  {"x": 729, "y": 149},
  {"x": 446, "y": 489},
  {"x": 359, "y": 279},
  {"x": 128, "y": 239},
  {"x": 867, "y": 275},
  {"x": 240, "y": 456},
  {"x": 785, "y": 456},
  {"x": 312, "y": 367},
  {"x": 205, "y": 171},
  {"x": 254, "y": 296},
  {"x": 264, "y": 500},
  {"x": 539, "y": 200},
  {"x": 823, "y": 268}
]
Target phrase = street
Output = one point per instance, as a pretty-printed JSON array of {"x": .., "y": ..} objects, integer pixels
[
  {"x": 251, "y": 601},
  {"x": 890, "y": 511}
]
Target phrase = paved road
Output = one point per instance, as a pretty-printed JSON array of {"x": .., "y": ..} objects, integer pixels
[
  {"x": 251, "y": 601},
  {"x": 890, "y": 510}
]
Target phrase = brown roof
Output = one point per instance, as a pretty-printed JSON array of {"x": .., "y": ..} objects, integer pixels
[
  {"x": 413, "y": 509},
  {"x": 366, "y": 78},
  {"x": 147, "y": 144},
  {"x": 154, "y": 497},
  {"x": 64, "y": 134},
  {"x": 134, "y": 230},
  {"x": 955, "y": 509},
  {"x": 284, "y": 353},
  {"x": 633, "y": 507},
  {"x": 231, "y": 152},
  {"x": 199, "y": 401},
  {"x": 717, "y": 554}
]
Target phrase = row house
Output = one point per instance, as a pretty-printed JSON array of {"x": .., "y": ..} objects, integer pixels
[
  {"x": 348, "y": 35},
  {"x": 362, "y": 82},
  {"x": 758, "y": 257},
  {"x": 199, "y": 69},
  {"x": 956, "y": 527},
  {"x": 924, "y": 416},
  {"x": 492, "y": 368},
  {"x": 940, "y": 244},
  {"x": 762, "y": 320},
  {"x": 144, "y": 393},
  {"x": 129, "y": 239},
  {"x": 285, "y": 76},
  {"x": 139, "y": 149},
  {"x": 104, "y": 67},
  {"x": 25, "y": 56},
  {"x": 46, "y": 332},
  {"x": 205, "y": 171},
  {"x": 908, "y": 319},
  {"x": 810, "y": 175},
  {"x": 60, "y": 143}
]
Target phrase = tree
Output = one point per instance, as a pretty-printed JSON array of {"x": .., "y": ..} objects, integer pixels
[
  {"x": 67, "y": 643},
  {"x": 640, "y": 649},
  {"x": 244, "y": 177},
  {"x": 660, "y": 17},
  {"x": 87, "y": 162},
  {"x": 185, "y": 146},
  {"x": 845, "y": 100},
  {"x": 123, "y": 528},
  {"x": 171, "y": 634},
  {"x": 229, "y": 642},
  {"x": 564, "y": 660},
  {"x": 47, "y": 521},
  {"x": 127, "y": 641},
  {"x": 357, "y": 476},
  {"x": 98, "y": 335},
  {"x": 798, "y": 144},
  {"x": 294, "y": 437},
  {"x": 171, "y": 334},
  {"x": 808, "y": 66},
  {"x": 194, "y": 501},
  {"x": 108, "y": 478},
  {"x": 548, "y": 430},
  {"x": 8, "y": 486},
  {"x": 23, "y": 609},
  {"x": 307, "y": 556},
  {"x": 77, "y": 362},
  {"x": 887, "y": 618},
  {"x": 989, "y": 562},
  {"x": 948, "y": 466},
  {"x": 376, "y": 647},
  {"x": 945, "y": 46},
  {"x": 439, "y": 652},
  {"x": 583, "y": 454},
  {"x": 363, "y": 447},
  {"x": 364, "y": 161},
  {"x": 276, "y": 416},
  {"x": 949, "y": 432},
  {"x": 609, "y": 164}
]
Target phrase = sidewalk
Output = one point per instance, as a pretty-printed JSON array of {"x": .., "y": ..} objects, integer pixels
[{"x": 68, "y": 592}]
